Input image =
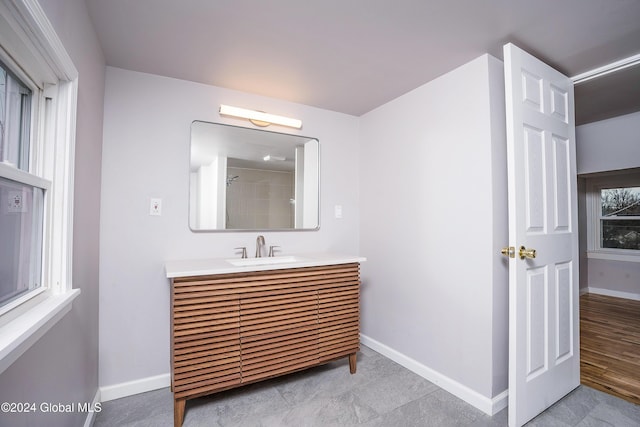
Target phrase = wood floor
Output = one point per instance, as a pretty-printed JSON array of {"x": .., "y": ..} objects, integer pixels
[{"x": 610, "y": 345}]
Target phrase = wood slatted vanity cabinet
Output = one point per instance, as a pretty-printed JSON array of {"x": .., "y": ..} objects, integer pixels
[{"x": 234, "y": 326}]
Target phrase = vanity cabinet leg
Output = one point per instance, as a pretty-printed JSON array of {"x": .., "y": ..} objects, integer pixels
[
  {"x": 178, "y": 411},
  {"x": 352, "y": 363}
]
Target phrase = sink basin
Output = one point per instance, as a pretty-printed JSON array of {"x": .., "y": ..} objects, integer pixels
[{"x": 246, "y": 262}]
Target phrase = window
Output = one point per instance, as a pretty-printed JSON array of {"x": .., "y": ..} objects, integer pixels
[
  {"x": 21, "y": 219},
  {"x": 38, "y": 92},
  {"x": 15, "y": 120},
  {"x": 613, "y": 216},
  {"x": 21, "y": 245},
  {"x": 620, "y": 218}
]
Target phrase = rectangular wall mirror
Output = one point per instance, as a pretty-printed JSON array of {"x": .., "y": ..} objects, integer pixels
[{"x": 251, "y": 179}]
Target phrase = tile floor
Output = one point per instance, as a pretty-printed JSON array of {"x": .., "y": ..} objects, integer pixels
[{"x": 381, "y": 393}]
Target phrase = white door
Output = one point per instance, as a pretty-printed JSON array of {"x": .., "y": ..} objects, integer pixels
[{"x": 544, "y": 352}]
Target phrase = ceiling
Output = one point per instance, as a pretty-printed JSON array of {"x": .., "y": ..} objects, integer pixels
[{"x": 352, "y": 56}]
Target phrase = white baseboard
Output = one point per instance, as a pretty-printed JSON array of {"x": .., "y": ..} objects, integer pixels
[
  {"x": 610, "y": 293},
  {"x": 130, "y": 388},
  {"x": 483, "y": 403},
  {"x": 88, "y": 422}
]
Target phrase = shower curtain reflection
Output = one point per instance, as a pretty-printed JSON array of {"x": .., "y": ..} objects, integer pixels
[{"x": 258, "y": 198}]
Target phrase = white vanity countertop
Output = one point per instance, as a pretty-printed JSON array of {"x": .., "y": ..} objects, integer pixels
[{"x": 203, "y": 267}]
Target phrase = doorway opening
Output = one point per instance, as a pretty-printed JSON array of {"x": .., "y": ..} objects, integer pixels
[{"x": 609, "y": 277}]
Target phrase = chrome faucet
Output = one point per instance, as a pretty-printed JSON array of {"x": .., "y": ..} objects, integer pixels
[{"x": 259, "y": 245}]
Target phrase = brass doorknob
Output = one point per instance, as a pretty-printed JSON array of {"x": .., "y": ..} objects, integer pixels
[
  {"x": 526, "y": 253},
  {"x": 509, "y": 251}
]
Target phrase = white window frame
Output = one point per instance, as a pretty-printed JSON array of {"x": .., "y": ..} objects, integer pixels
[
  {"x": 33, "y": 51},
  {"x": 594, "y": 210}
]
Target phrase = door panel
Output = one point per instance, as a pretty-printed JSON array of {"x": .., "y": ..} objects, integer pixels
[
  {"x": 543, "y": 290},
  {"x": 534, "y": 175},
  {"x": 536, "y": 322},
  {"x": 564, "y": 312},
  {"x": 561, "y": 163}
]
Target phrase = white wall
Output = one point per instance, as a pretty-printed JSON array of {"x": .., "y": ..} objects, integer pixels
[
  {"x": 63, "y": 365},
  {"x": 582, "y": 234},
  {"x": 433, "y": 219},
  {"x": 615, "y": 278},
  {"x": 146, "y": 154},
  {"x": 602, "y": 148},
  {"x": 608, "y": 145}
]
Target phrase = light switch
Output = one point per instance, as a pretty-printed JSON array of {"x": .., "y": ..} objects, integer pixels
[
  {"x": 155, "y": 207},
  {"x": 337, "y": 211}
]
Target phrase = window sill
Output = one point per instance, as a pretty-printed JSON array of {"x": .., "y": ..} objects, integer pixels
[
  {"x": 613, "y": 256},
  {"x": 22, "y": 332}
]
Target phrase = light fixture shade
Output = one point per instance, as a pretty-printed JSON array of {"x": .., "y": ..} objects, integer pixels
[
  {"x": 259, "y": 116},
  {"x": 270, "y": 157}
]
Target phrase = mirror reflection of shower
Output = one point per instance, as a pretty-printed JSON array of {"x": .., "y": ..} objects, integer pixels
[
  {"x": 271, "y": 169},
  {"x": 230, "y": 180}
]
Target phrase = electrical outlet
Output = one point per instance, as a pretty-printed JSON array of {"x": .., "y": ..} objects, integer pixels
[
  {"x": 155, "y": 207},
  {"x": 337, "y": 211}
]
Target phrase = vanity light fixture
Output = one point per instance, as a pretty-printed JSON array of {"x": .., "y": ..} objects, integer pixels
[
  {"x": 259, "y": 118},
  {"x": 269, "y": 157}
]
